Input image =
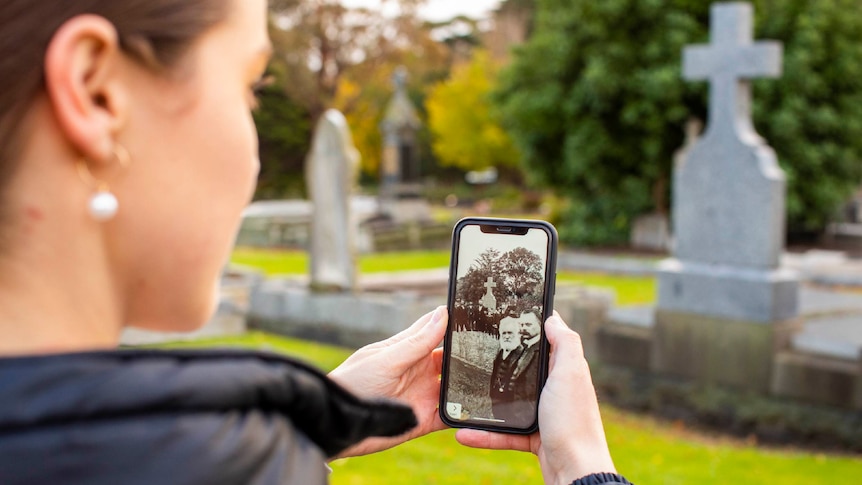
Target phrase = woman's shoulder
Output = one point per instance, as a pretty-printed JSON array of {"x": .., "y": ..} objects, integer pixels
[{"x": 248, "y": 411}]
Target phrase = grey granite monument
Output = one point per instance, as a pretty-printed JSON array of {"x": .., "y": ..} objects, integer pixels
[
  {"x": 723, "y": 293},
  {"x": 331, "y": 172}
]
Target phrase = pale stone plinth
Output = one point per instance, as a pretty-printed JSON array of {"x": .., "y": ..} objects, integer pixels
[
  {"x": 716, "y": 350},
  {"x": 734, "y": 293}
]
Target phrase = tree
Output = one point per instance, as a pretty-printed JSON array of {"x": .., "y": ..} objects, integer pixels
[
  {"x": 522, "y": 270},
  {"x": 811, "y": 115},
  {"x": 366, "y": 88},
  {"x": 464, "y": 123},
  {"x": 518, "y": 277},
  {"x": 596, "y": 103},
  {"x": 332, "y": 56},
  {"x": 284, "y": 133},
  {"x": 318, "y": 41}
]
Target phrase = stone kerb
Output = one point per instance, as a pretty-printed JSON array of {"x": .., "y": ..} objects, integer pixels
[
  {"x": 822, "y": 362},
  {"x": 350, "y": 319},
  {"x": 817, "y": 378},
  {"x": 585, "y": 310},
  {"x": 287, "y": 307}
]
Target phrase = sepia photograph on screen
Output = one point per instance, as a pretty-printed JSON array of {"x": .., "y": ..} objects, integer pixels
[{"x": 496, "y": 327}]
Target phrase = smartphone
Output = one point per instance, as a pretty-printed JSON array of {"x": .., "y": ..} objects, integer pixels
[{"x": 501, "y": 291}]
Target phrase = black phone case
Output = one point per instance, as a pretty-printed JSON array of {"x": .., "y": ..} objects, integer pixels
[{"x": 547, "y": 311}]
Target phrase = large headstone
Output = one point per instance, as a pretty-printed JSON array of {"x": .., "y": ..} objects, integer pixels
[
  {"x": 331, "y": 172},
  {"x": 729, "y": 220},
  {"x": 729, "y": 192}
]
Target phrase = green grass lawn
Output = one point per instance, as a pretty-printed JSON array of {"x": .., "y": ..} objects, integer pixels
[
  {"x": 274, "y": 262},
  {"x": 630, "y": 290},
  {"x": 647, "y": 451}
]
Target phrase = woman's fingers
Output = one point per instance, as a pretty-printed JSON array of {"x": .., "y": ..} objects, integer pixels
[
  {"x": 407, "y": 332},
  {"x": 420, "y": 340},
  {"x": 493, "y": 441}
]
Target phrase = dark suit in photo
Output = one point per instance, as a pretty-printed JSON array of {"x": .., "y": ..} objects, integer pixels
[{"x": 502, "y": 388}]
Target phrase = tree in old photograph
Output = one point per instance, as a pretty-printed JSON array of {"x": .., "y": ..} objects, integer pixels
[
  {"x": 523, "y": 278},
  {"x": 517, "y": 277},
  {"x": 471, "y": 288}
]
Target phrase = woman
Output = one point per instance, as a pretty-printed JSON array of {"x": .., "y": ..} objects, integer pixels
[{"x": 127, "y": 153}]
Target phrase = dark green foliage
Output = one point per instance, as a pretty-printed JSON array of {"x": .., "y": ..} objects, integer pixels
[
  {"x": 284, "y": 130},
  {"x": 811, "y": 116},
  {"x": 596, "y": 102}
]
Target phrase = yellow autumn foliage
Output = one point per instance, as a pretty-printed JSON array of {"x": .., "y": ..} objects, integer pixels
[{"x": 464, "y": 124}]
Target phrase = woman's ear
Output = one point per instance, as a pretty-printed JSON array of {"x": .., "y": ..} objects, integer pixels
[{"x": 83, "y": 67}]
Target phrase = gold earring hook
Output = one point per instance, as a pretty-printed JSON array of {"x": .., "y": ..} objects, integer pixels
[{"x": 123, "y": 160}]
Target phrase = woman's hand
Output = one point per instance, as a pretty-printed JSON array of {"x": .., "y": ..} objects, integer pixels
[
  {"x": 406, "y": 368},
  {"x": 571, "y": 442}
]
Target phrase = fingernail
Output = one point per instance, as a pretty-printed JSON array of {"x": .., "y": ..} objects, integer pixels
[
  {"x": 557, "y": 321},
  {"x": 438, "y": 315}
]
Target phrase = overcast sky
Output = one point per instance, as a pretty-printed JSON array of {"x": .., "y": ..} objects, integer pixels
[
  {"x": 474, "y": 242},
  {"x": 436, "y": 10}
]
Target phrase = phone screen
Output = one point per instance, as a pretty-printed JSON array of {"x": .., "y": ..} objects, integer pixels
[{"x": 495, "y": 364}]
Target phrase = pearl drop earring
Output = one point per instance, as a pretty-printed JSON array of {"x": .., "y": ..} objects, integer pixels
[{"x": 103, "y": 204}]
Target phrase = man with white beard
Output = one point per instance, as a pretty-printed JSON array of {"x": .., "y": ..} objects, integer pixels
[{"x": 502, "y": 390}]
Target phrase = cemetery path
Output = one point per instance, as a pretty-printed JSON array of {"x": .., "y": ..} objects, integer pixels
[{"x": 832, "y": 323}]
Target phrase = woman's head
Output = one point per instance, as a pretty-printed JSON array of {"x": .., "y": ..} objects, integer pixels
[
  {"x": 157, "y": 33},
  {"x": 169, "y": 82}
]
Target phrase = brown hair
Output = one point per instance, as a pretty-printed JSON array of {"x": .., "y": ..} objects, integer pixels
[
  {"x": 523, "y": 307},
  {"x": 156, "y": 33}
]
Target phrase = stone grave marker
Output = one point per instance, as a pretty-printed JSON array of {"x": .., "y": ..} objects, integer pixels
[
  {"x": 723, "y": 295},
  {"x": 730, "y": 191},
  {"x": 400, "y": 162},
  {"x": 331, "y": 172},
  {"x": 651, "y": 232},
  {"x": 488, "y": 300},
  {"x": 401, "y": 178}
]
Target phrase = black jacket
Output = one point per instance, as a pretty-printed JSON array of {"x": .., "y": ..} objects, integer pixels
[{"x": 178, "y": 417}]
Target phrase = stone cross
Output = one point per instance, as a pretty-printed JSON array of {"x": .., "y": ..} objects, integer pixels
[
  {"x": 331, "y": 172},
  {"x": 489, "y": 301},
  {"x": 728, "y": 62},
  {"x": 729, "y": 192},
  {"x": 724, "y": 299}
]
